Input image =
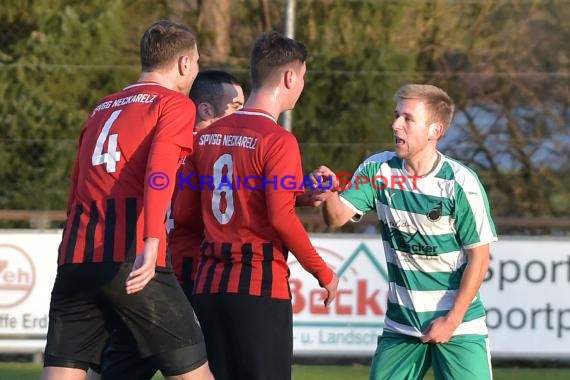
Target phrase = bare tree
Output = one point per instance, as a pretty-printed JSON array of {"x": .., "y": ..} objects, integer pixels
[{"x": 511, "y": 87}]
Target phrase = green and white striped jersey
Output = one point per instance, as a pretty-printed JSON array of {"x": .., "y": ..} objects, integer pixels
[{"x": 425, "y": 222}]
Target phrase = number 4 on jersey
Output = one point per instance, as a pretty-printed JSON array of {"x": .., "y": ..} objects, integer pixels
[{"x": 112, "y": 156}]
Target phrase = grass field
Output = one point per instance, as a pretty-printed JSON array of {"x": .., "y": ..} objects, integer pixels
[{"x": 27, "y": 371}]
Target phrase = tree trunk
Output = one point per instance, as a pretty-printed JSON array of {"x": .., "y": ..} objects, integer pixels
[
  {"x": 214, "y": 25},
  {"x": 177, "y": 9}
]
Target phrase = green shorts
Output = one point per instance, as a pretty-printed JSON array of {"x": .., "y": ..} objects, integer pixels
[{"x": 401, "y": 357}]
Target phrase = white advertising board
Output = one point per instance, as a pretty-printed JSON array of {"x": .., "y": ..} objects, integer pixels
[
  {"x": 350, "y": 326},
  {"x": 527, "y": 296},
  {"x": 526, "y": 292},
  {"x": 27, "y": 271}
]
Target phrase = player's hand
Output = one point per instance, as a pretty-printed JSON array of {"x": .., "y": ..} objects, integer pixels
[
  {"x": 324, "y": 183},
  {"x": 440, "y": 330},
  {"x": 143, "y": 267},
  {"x": 324, "y": 178},
  {"x": 312, "y": 197},
  {"x": 331, "y": 289}
]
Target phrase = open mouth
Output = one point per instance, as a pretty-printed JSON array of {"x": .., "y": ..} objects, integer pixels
[{"x": 399, "y": 141}]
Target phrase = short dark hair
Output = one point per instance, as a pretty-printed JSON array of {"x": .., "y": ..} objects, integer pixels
[
  {"x": 162, "y": 42},
  {"x": 271, "y": 52},
  {"x": 208, "y": 88}
]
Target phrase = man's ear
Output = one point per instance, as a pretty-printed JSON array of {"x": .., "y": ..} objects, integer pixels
[
  {"x": 289, "y": 77},
  {"x": 435, "y": 131},
  {"x": 205, "y": 111},
  {"x": 183, "y": 64}
]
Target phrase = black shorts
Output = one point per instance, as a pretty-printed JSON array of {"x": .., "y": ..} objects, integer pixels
[
  {"x": 121, "y": 359},
  {"x": 86, "y": 301},
  {"x": 247, "y": 337}
]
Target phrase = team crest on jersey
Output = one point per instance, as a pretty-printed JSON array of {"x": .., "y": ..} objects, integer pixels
[{"x": 435, "y": 214}]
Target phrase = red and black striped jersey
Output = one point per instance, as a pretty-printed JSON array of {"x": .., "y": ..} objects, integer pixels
[
  {"x": 238, "y": 189},
  {"x": 123, "y": 177}
]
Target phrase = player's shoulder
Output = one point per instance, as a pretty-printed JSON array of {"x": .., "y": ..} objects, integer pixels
[
  {"x": 145, "y": 93},
  {"x": 378, "y": 159},
  {"x": 156, "y": 92},
  {"x": 262, "y": 124},
  {"x": 462, "y": 174},
  {"x": 279, "y": 138},
  {"x": 151, "y": 87},
  {"x": 381, "y": 157},
  {"x": 262, "y": 118}
]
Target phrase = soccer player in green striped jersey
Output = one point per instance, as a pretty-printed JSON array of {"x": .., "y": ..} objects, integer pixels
[{"x": 436, "y": 228}]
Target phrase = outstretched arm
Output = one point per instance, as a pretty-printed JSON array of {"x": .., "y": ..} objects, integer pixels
[
  {"x": 282, "y": 216},
  {"x": 335, "y": 212}
]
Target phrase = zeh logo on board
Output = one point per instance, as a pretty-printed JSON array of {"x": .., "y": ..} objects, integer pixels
[{"x": 17, "y": 275}]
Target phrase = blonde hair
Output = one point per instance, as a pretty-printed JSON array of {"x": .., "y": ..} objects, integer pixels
[{"x": 439, "y": 106}]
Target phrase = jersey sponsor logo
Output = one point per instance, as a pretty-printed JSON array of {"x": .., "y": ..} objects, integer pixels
[
  {"x": 410, "y": 243},
  {"x": 399, "y": 224}
]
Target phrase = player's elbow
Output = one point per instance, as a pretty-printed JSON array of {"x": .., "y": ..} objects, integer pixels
[
  {"x": 333, "y": 221},
  {"x": 333, "y": 218},
  {"x": 280, "y": 224}
]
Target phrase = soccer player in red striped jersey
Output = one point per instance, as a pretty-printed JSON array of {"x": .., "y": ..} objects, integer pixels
[
  {"x": 242, "y": 296},
  {"x": 216, "y": 94},
  {"x": 112, "y": 260}
]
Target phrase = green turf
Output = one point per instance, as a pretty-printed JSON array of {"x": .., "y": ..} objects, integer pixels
[
  {"x": 20, "y": 371},
  {"x": 27, "y": 371}
]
